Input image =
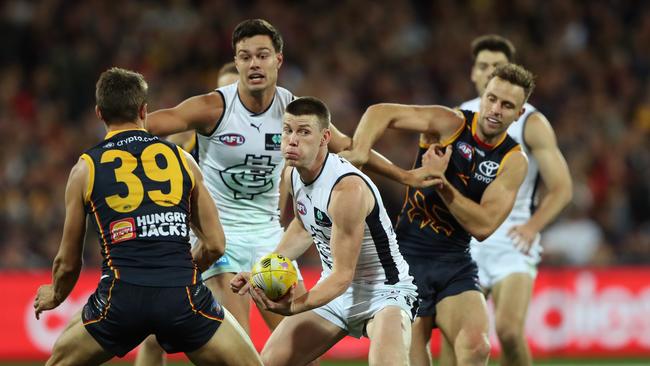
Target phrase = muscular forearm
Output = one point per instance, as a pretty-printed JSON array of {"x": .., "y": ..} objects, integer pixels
[
  {"x": 325, "y": 291},
  {"x": 204, "y": 257},
  {"x": 551, "y": 205},
  {"x": 371, "y": 126},
  {"x": 479, "y": 223},
  {"x": 64, "y": 277},
  {"x": 294, "y": 241}
]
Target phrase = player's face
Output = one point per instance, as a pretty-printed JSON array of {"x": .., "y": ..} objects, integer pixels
[
  {"x": 257, "y": 63},
  {"x": 501, "y": 105},
  {"x": 485, "y": 63},
  {"x": 227, "y": 79},
  {"x": 301, "y": 139}
]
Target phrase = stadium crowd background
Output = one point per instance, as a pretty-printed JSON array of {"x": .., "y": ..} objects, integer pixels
[{"x": 592, "y": 60}]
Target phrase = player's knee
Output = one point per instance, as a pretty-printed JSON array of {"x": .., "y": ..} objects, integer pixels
[
  {"x": 509, "y": 335},
  {"x": 275, "y": 356},
  {"x": 474, "y": 346}
]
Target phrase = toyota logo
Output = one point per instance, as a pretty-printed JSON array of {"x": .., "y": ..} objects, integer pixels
[{"x": 488, "y": 168}]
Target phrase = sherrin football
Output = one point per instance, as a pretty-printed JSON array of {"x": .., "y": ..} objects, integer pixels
[{"x": 274, "y": 274}]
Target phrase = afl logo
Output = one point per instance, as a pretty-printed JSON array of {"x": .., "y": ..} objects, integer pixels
[
  {"x": 465, "y": 150},
  {"x": 232, "y": 139},
  {"x": 301, "y": 208},
  {"x": 488, "y": 168}
]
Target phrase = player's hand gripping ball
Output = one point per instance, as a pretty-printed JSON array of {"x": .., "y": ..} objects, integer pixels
[{"x": 274, "y": 274}]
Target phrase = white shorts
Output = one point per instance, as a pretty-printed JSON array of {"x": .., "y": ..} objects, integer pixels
[
  {"x": 244, "y": 250},
  {"x": 359, "y": 303},
  {"x": 497, "y": 261}
]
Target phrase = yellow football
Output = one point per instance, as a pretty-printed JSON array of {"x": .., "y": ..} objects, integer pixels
[{"x": 274, "y": 274}]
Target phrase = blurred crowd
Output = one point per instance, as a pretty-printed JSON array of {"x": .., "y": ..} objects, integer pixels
[{"x": 592, "y": 59}]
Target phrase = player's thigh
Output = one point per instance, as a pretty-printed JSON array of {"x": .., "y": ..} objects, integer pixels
[
  {"x": 150, "y": 353},
  {"x": 273, "y": 319},
  {"x": 300, "y": 339},
  {"x": 390, "y": 337},
  {"x": 230, "y": 345},
  {"x": 75, "y": 346},
  {"x": 466, "y": 311},
  {"x": 237, "y": 305},
  {"x": 511, "y": 298}
]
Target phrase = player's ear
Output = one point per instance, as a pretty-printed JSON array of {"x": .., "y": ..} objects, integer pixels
[
  {"x": 98, "y": 113},
  {"x": 142, "y": 112},
  {"x": 280, "y": 58},
  {"x": 327, "y": 136}
]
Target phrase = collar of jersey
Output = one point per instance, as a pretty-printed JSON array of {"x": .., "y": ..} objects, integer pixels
[
  {"x": 478, "y": 139},
  {"x": 113, "y": 133}
]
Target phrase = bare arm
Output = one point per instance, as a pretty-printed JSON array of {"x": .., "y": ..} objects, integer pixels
[
  {"x": 296, "y": 239},
  {"x": 350, "y": 203},
  {"x": 68, "y": 261},
  {"x": 540, "y": 138},
  {"x": 439, "y": 121},
  {"x": 285, "y": 204},
  {"x": 377, "y": 163},
  {"x": 482, "y": 219},
  {"x": 201, "y": 113},
  {"x": 204, "y": 221}
]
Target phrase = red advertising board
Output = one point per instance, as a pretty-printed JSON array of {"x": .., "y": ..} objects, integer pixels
[{"x": 573, "y": 313}]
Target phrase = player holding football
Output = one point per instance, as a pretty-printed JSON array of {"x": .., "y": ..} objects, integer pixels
[{"x": 365, "y": 288}]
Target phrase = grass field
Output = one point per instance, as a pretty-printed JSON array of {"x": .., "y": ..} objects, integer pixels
[{"x": 563, "y": 362}]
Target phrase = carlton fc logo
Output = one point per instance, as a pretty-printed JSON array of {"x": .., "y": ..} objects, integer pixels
[
  {"x": 465, "y": 150},
  {"x": 488, "y": 168},
  {"x": 231, "y": 139},
  {"x": 254, "y": 176}
]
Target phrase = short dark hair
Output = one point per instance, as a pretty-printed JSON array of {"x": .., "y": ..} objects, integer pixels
[
  {"x": 495, "y": 43},
  {"x": 119, "y": 94},
  {"x": 310, "y": 106},
  {"x": 516, "y": 75},
  {"x": 228, "y": 68},
  {"x": 256, "y": 27}
]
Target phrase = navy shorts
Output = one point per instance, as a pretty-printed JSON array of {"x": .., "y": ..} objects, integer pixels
[
  {"x": 440, "y": 277},
  {"x": 121, "y": 315}
]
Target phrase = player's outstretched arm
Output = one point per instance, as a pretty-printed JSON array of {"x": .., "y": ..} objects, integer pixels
[
  {"x": 351, "y": 202},
  {"x": 68, "y": 261},
  {"x": 201, "y": 113},
  {"x": 204, "y": 220},
  {"x": 438, "y": 120},
  {"x": 540, "y": 139},
  {"x": 482, "y": 219}
]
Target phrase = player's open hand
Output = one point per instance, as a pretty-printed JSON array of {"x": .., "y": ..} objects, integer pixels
[
  {"x": 281, "y": 306},
  {"x": 240, "y": 284},
  {"x": 421, "y": 178},
  {"x": 45, "y": 300},
  {"x": 523, "y": 237}
]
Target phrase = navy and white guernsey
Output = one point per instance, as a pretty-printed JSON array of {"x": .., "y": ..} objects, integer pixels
[
  {"x": 425, "y": 226},
  {"x": 242, "y": 163},
  {"x": 380, "y": 261}
]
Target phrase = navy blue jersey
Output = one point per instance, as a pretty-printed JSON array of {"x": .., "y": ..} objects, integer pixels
[
  {"x": 139, "y": 199},
  {"x": 425, "y": 225}
]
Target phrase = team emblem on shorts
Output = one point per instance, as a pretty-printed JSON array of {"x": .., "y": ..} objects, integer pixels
[{"x": 122, "y": 230}]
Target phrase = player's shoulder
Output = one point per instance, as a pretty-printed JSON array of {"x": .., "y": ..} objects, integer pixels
[
  {"x": 285, "y": 94},
  {"x": 471, "y": 105}
]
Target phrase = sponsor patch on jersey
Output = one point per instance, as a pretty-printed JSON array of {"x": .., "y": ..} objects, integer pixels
[
  {"x": 122, "y": 230},
  {"x": 231, "y": 139},
  {"x": 301, "y": 208},
  {"x": 272, "y": 141},
  {"x": 488, "y": 168},
  {"x": 321, "y": 218},
  {"x": 465, "y": 150},
  {"x": 222, "y": 261},
  {"x": 109, "y": 145}
]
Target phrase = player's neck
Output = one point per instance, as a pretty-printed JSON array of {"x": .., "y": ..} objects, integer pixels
[
  {"x": 117, "y": 126},
  {"x": 488, "y": 142},
  {"x": 257, "y": 101},
  {"x": 310, "y": 173}
]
